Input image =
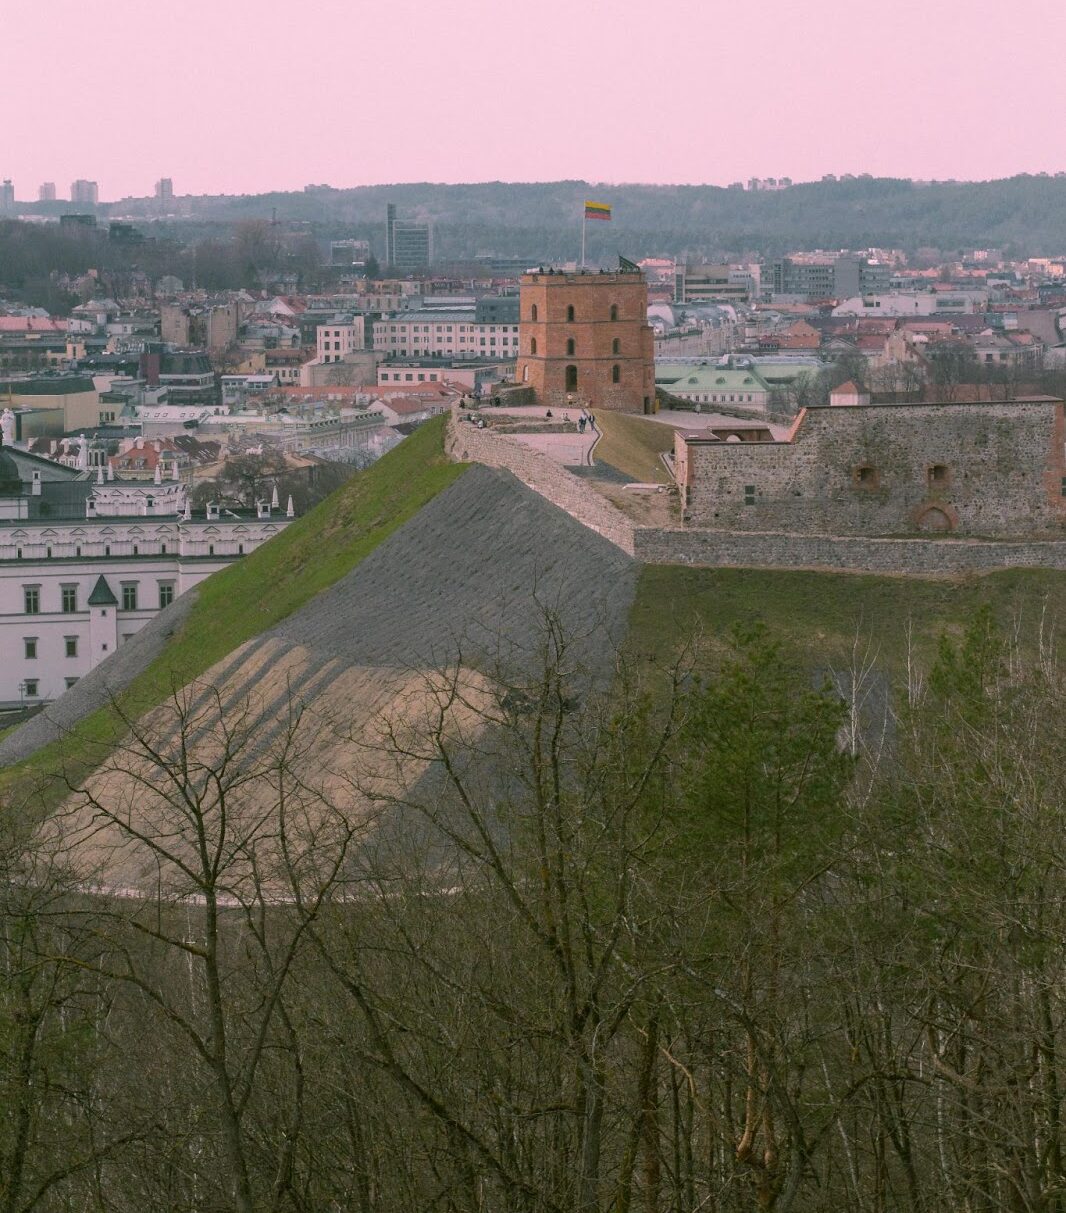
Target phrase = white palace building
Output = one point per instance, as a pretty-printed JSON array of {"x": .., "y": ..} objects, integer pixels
[{"x": 85, "y": 562}]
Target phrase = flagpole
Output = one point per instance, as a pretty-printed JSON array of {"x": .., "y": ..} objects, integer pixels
[{"x": 584, "y": 221}]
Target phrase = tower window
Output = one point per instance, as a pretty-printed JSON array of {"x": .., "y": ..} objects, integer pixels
[
  {"x": 532, "y": 345},
  {"x": 616, "y": 373},
  {"x": 614, "y": 311},
  {"x": 865, "y": 477},
  {"x": 570, "y": 347},
  {"x": 616, "y": 346},
  {"x": 570, "y": 312},
  {"x": 571, "y": 378},
  {"x": 533, "y": 312}
]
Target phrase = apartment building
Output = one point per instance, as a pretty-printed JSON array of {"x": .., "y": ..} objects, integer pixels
[
  {"x": 342, "y": 336},
  {"x": 436, "y": 333}
]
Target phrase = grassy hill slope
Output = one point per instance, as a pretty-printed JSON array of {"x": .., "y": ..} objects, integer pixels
[
  {"x": 633, "y": 445},
  {"x": 255, "y": 593},
  {"x": 818, "y": 616}
]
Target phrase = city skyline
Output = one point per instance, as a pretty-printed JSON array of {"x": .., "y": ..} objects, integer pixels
[{"x": 699, "y": 94}]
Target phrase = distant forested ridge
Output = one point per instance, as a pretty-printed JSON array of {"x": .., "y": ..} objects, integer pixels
[{"x": 1024, "y": 215}]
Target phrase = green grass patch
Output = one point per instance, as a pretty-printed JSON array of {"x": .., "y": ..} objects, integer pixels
[
  {"x": 818, "y": 616},
  {"x": 255, "y": 593},
  {"x": 633, "y": 445}
]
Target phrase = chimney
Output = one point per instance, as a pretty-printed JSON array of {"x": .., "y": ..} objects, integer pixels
[{"x": 36, "y": 487}]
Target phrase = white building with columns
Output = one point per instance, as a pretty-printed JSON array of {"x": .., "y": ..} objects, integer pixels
[{"x": 85, "y": 563}]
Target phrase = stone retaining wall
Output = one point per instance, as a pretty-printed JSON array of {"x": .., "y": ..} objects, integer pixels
[
  {"x": 541, "y": 473},
  {"x": 848, "y": 553}
]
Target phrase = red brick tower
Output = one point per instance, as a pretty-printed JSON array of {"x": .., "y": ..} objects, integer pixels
[{"x": 586, "y": 336}]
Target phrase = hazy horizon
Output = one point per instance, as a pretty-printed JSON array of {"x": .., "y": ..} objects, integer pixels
[{"x": 241, "y": 97}]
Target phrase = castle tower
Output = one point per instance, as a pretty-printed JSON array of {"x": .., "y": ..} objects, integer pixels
[{"x": 586, "y": 335}]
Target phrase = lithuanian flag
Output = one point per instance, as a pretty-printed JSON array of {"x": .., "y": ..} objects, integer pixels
[{"x": 598, "y": 210}]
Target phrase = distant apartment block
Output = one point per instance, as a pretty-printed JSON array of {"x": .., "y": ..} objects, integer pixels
[
  {"x": 85, "y": 192},
  {"x": 437, "y": 333},
  {"x": 164, "y": 190},
  {"x": 46, "y": 191},
  {"x": 7, "y": 195},
  {"x": 349, "y": 252},
  {"x": 828, "y": 277},
  {"x": 716, "y": 283},
  {"x": 339, "y": 338},
  {"x": 408, "y": 246}
]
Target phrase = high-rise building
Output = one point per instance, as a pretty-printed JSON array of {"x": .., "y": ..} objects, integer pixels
[
  {"x": 46, "y": 192},
  {"x": 85, "y": 192},
  {"x": 164, "y": 190},
  {"x": 7, "y": 195},
  {"x": 408, "y": 246},
  {"x": 584, "y": 339}
]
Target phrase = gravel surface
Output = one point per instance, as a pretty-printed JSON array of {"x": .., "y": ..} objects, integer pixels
[
  {"x": 474, "y": 573},
  {"x": 97, "y": 687}
]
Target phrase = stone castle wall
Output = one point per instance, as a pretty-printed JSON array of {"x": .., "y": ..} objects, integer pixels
[
  {"x": 844, "y": 553},
  {"x": 990, "y": 470},
  {"x": 539, "y": 472}
]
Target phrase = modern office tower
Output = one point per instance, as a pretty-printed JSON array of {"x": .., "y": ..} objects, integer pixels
[{"x": 408, "y": 246}]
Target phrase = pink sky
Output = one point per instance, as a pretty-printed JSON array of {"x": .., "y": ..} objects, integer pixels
[{"x": 242, "y": 96}]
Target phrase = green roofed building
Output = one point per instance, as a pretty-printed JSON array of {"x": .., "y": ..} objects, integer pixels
[{"x": 715, "y": 387}]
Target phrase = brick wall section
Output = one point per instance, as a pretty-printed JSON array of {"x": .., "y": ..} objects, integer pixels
[
  {"x": 543, "y": 357},
  {"x": 870, "y": 471},
  {"x": 465, "y": 442},
  {"x": 844, "y": 553}
]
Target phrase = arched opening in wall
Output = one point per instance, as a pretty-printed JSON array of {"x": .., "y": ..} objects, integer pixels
[
  {"x": 616, "y": 373},
  {"x": 934, "y": 519},
  {"x": 570, "y": 346},
  {"x": 614, "y": 311},
  {"x": 571, "y": 378},
  {"x": 532, "y": 345},
  {"x": 570, "y": 312},
  {"x": 533, "y": 312},
  {"x": 616, "y": 346}
]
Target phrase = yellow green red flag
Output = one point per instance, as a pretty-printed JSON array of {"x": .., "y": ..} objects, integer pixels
[{"x": 598, "y": 210}]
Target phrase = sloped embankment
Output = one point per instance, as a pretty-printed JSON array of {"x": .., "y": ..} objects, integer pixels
[{"x": 465, "y": 589}]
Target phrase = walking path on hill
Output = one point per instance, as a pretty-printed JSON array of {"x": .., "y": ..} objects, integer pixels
[{"x": 545, "y": 475}]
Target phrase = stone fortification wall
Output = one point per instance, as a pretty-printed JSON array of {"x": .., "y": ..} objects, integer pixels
[
  {"x": 989, "y": 469},
  {"x": 846, "y": 553},
  {"x": 542, "y": 474}
]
